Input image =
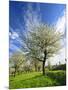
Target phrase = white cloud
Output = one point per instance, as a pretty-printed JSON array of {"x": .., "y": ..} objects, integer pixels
[
  {"x": 60, "y": 24},
  {"x": 60, "y": 57},
  {"x": 14, "y": 35},
  {"x": 14, "y": 48},
  {"x": 10, "y": 34},
  {"x": 32, "y": 18}
]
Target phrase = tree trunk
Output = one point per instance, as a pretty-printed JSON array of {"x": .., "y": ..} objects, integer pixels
[
  {"x": 35, "y": 67},
  {"x": 43, "y": 67},
  {"x": 45, "y": 54},
  {"x": 15, "y": 71}
]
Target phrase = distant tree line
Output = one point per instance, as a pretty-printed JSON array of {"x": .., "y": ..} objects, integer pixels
[{"x": 59, "y": 67}]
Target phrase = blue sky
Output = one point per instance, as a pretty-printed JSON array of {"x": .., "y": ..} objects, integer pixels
[
  {"x": 49, "y": 12},
  {"x": 52, "y": 14}
]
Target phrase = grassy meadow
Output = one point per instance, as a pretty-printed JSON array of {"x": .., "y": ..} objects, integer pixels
[
  {"x": 37, "y": 44},
  {"x": 36, "y": 79}
]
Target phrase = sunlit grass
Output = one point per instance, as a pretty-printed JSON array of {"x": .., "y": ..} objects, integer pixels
[{"x": 36, "y": 79}]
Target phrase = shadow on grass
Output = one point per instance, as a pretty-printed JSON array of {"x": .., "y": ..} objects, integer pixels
[
  {"x": 59, "y": 76},
  {"x": 50, "y": 79}
]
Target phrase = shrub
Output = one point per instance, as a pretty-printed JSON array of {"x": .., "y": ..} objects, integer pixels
[
  {"x": 59, "y": 67},
  {"x": 59, "y": 76}
]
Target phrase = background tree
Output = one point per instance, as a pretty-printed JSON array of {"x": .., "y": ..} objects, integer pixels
[
  {"x": 49, "y": 65},
  {"x": 36, "y": 65},
  {"x": 43, "y": 42},
  {"x": 16, "y": 61}
]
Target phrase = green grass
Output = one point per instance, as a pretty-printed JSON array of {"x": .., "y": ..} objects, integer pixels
[{"x": 36, "y": 79}]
